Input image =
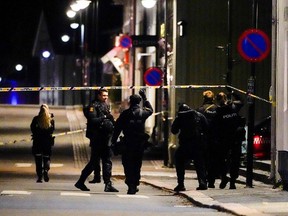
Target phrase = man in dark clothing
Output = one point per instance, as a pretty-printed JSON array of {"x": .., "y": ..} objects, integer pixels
[
  {"x": 208, "y": 109},
  {"x": 227, "y": 128},
  {"x": 99, "y": 130},
  {"x": 89, "y": 113},
  {"x": 192, "y": 126},
  {"x": 132, "y": 123}
]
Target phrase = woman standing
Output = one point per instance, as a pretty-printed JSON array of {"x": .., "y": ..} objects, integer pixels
[{"x": 42, "y": 127}]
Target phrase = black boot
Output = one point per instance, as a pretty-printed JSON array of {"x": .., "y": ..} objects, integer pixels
[
  {"x": 110, "y": 188},
  {"x": 202, "y": 187},
  {"x": 39, "y": 180},
  {"x": 232, "y": 184},
  {"x": 38, "y": 163},
  {"x": 132, "y": 189},
  {"x": 180, "y": 187},
  {"x": 80, "y": 185},
  {"x": 46, "y": 177},
  {"x": 46, "y": 162},
  {"x": 224, "y": 182}
]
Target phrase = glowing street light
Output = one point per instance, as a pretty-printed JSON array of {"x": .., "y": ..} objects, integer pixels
[
  {"x": 65, "y": 38},
  {"x": 19, "y": 67},
  {"x": 46, "y": 54},
  {"x": 74, "y": 25},
  {"x": 83, "y": 3},
  {"x": 148, "y": 3},
  {"x": 71, "y": 13}
]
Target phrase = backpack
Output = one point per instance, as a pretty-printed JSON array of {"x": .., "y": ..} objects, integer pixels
[
  {"x": 136, "y": 125},
  {"x": 192, "y": 125}
]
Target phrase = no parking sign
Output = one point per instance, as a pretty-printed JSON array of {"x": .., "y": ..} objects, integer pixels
[
  {"x": 254, "y": 45},
  {"x": 153, "y": 76},
  {"x": 125, "y": 41}
]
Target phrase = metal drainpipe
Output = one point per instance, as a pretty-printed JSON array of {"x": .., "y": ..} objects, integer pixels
[{"x": 273, "y": 95}]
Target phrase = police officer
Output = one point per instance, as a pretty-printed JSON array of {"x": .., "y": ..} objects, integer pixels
[
  {"x": 208, "y": 109},
  {"x": 99, "y": 129},
  {"x": 192, "y": 128},
  {"x": 132, "y": 123},
  {"x": 226, "y": 127},
  {"x": 89, "y": 113}
]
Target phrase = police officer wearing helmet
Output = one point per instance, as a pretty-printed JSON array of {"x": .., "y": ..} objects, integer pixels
[
  {"x": 192, "y": 128},
  {"x": 131, "y": 123},
  {"x": 100, "y": 127}
]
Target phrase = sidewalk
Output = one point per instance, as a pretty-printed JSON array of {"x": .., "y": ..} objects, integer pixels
[{"x": 261, "y": 200}]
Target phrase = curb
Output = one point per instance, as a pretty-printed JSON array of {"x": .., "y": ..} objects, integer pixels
[{"x": 201, "y": 200}]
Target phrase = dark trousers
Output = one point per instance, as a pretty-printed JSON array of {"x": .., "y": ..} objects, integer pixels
[
  {"x": 97, "y": 168},
  {"x": 132, "y": 162},
  {"x": 229, "y": 155},
  {"x": 42, "y": 163},
  {"x": 182, "y": 156},
  {"x": 235, "y": 160},
  {"x": 104, "y": 153}
]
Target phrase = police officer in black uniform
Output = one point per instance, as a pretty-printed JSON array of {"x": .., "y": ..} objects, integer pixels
[
  {"x": 89, "y": 113},
  {"x": 99, "y": 129},
  {"x": 226, "y": 126},
  {"x": 208, "y": 109},
  {"x": 132, "y": 123},
  {"x": 192, "y": 128}
]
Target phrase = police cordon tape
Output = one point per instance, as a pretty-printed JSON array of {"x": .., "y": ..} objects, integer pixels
[
  {"x": 55, "y": 135},
  {"x": 81, "y": 88}
]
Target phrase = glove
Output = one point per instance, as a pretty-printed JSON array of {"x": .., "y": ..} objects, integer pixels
[{"x": 142, "y": 93}]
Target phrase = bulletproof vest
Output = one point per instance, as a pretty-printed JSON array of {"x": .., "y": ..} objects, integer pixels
[
  {"x": 135, "y": 123},
  {"x": 228, "y": 120},
  {"x": 191, "y": 125}
]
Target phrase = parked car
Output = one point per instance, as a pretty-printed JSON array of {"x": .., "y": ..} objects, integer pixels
[{"x": 262, "y": 139}]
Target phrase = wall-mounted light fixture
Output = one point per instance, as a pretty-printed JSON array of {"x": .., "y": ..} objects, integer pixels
[
  {"x": 181, "y": 24},
  {"x": 148, "y": 3}
]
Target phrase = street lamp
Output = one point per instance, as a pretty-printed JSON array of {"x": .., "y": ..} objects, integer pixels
[
  {"x": 19, "y": 67},
  {"x": 46, "y": 54},
  {"x": 65, "y": 38},
  {"x": 79, "y": 6},
  {"x": 148, "y": 3}
]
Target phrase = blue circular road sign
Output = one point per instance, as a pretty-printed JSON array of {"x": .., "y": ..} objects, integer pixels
[
  {"x": 153, "y": 76},
  {"x": 254, "y": 45},
  {"x": 125, "y": 41}
]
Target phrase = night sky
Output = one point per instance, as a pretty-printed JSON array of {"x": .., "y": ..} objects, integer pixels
[{"x": 19, "y": 21}]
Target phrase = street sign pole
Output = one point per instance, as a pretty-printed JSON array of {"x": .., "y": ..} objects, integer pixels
[
  {"x": 251, "y": 109},
  {"x": 254, "y": 46}
]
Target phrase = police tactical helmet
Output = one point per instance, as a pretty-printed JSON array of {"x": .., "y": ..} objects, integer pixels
[
  {"x": 135, "y": 99},
  {"x": 183, "y": 107}
]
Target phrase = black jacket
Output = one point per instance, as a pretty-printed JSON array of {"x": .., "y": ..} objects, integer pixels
[
  {"x": 97, "y": 115},
  {"x": 208, "y": 109},
  {"x": 132, "y": 122},
  {"x": 42, "y": 138},
  {"x": 227, "y": 119},
  {"x": 191, "y": 125}
]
